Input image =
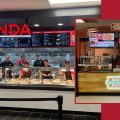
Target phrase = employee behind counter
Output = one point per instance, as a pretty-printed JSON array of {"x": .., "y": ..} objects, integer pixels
[
  {"x": 38, "y": 62},
  {"x": 68, "y": 75},
  {"x": 6, "y": 67},
  {"x": 46, "y": 74},
  {"x": 26, "y": 71}
]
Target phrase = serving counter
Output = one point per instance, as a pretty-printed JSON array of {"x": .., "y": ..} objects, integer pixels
[
  {"x": 95, "y": 64},
  {"x": 97, "y": 76},
  {"x": 36, "y": 81}
]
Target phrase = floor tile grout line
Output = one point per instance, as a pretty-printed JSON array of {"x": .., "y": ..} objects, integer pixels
[
  {"x": 17, "y": 116},
  {"x": 1, "y": 112},
  {"x": 51, "y": 116},
  {"x": 40, "y": 116},
  {"x": 6, "y": 116},
  {"x": 29, "y": 116}
]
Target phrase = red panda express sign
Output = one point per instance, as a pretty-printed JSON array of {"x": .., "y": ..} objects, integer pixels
[{"x": 14, "y": 29}]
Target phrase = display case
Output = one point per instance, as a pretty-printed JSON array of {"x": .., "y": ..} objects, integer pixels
[
  {"x": 41, "y": 48},
  {"x": 95, "y": 64},
  {"x": 36, "y": 80}
]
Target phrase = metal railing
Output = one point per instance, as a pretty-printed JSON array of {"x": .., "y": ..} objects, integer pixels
[{"x": 58, "y": 99}]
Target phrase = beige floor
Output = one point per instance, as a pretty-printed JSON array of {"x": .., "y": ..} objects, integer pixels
[{"x": 98, "y": 99}]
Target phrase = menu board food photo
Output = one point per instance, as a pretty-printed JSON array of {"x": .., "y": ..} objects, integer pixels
[{"x": 101, "y": 39}]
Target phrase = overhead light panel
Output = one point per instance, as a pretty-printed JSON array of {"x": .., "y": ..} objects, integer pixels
[
  {"x": 36, "y": 25},
  {"x": 60, "y": 24},
  {"x": 69, "y": 1},
  {"x": 60, "y": 3}
]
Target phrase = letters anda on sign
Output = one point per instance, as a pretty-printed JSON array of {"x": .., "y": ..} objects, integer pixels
[{"x": 14, "y": 29}]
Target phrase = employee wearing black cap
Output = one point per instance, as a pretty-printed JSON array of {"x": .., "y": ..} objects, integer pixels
[
  {"x": 47, "y": 74},
  {"x": 68, "y": 75},
  {"x": 6, "y": 67},
  {"x": 38, "y": 62}
]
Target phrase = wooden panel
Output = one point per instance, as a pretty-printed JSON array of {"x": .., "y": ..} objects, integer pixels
[{"x": 94, "y": 82}]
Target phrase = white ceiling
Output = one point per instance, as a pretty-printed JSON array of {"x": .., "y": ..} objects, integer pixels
[{"x": 14, "y": 5}]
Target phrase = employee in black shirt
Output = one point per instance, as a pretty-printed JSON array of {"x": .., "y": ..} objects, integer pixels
[
  {"x": 6, "y": 65},
  {"x": 38, "y": 62},
  {"x": 46, "y": 74},
  {"x": 68, "y": 75}
]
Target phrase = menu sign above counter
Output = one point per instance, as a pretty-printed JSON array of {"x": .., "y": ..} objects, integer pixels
[
  {"x": 37, "y": 39},
  {"x": 40, "y": 39},
  {"x": 15, "y": 42},
  {"x": 54, "y": 38}
]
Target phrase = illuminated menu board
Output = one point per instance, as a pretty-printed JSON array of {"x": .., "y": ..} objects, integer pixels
[
  {"x": 37, "y": 39},
  {"x": 8, "y": 42},
  {"x": 24, "y": 41},
  {"x": 101, "y": 39},
  {"x": 41, "y": 39},
  {"x": 54, "y": 38},
  {"x": 50, "y": 39}
]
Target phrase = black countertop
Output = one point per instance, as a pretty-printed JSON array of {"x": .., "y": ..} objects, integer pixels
[{"x": 37, "y": 87}]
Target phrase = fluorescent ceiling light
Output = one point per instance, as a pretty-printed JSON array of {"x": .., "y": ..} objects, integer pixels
[
  {"x": 36, "y": 25},
  {"x": 60, "y": 24},
  {"x": 69, "y": 1},
  {"x": 80, "y": 21},
  {"x": 74, "y": 2}
]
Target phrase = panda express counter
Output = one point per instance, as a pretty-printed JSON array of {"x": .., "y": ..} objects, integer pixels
[
  {"x": 36, "y": 51},
  {"x": 56, "y": 82}
]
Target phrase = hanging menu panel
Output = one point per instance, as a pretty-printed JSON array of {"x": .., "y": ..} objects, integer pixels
[
  {"x": 50, "y": 39},
  {"x": 56, "y": 38},
  {"x": 8, "y": 42},
  {"x": 24, "y": 41},
  {"x": 63, "y": 39},
  {"x": 37, "y": 40}
]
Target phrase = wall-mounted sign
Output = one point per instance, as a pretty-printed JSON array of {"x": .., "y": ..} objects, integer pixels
[
  {"x": 101, "y": 40},
  {"x": 115, "y": 26},
  {"x": 113, "y": 82},
  {"x": 72, "y": 38},
  {"x": 53, "y": 38},
  {"x": 14, "y": 29},
  {"x": 24, "y": 38}
]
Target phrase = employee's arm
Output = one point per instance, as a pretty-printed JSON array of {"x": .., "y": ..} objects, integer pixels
[
  {"x": 43, "y": 74},
  {"x": 12, "y": 64},
  {"x": 64, "y": 76},
  {"x": 73, "y": 77},
  {"x": 21, "y": 75},
  {"x": 1, "y": 64},
  {"x": 34, "y": 64},
  {"x": 22, "y": 72},
  {"x": 49, "y": 74}
]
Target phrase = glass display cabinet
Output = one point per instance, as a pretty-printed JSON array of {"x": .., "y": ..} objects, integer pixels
[
  {"x": 11, "y": 76},
  {"x": 95, "y": 64}
]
